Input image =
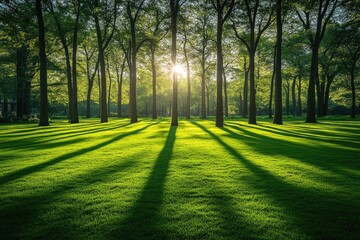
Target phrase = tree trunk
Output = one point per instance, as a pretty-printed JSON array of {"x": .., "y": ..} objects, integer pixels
[
  {"x": 133, "y": 104},
  {"x": 272, "y": 83},
  {"x": 293, "y": 95},
  {"x": 109, "y": 96},
  {"x": 153, "y": 70},
  {"x": 246, "y": 89},
  {"x": 252, "y": 108},
  {"x": 74, "y": 108},
  {"x": 278, "y": 76},
  {"x": 225, "y": 96},
  {"x": 120, "y": 82},
  {"x": 44, "y": 119},
  {"x": 99, "y": 84},
  {"x": 174, "y": 5},
  {"x": 219, "y": 75},
  {"x": 203, "y": 84},
  {"x": 188, "y": 97},
  {"x": 310, "y": 115},
  {"x": 103, "y": 112}
]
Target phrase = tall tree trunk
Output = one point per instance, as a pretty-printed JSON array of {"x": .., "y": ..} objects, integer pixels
[
  {"x": 225, "y": 95},
  {"x": 99, "y": 85},
  {"x": 174, "y": 5},
  {"x": 153, "y": 70},
  {"x": 310, "y": 115},
  {"x": 188, "y": 97},
  {"x": 44, "y": 118},
  {"x": 219, "y": 69},
  {"x": 278, "y": 80},
  {"x": 272, "y": 83},
  {"x": 293, "y": 95},
  {"x": 203, "y": 84},
  {"x": 133, "y": 104},
  {"x": 120, "y": 82},
  {"x": 299, "y": 96},
  {"x": 252, "y": 107},
  {"x": 246, "y": 89},
  {"x": 109, "y": 96},
  {"x": 103, "y": 112},
  {"x": 74, "y": 113}
]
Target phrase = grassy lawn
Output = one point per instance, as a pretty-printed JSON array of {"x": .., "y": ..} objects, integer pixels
[{"x": 195, "y": 181}]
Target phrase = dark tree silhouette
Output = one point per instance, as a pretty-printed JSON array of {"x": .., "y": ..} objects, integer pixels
[
  {"x": 222, "y": 15},
  {"x": 44, "y": 118}
]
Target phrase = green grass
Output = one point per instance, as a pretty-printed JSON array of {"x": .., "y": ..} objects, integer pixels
[{"x": 194, "y": 181}]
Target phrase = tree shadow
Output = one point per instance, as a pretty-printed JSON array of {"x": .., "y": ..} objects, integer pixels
[
  {"x": 143, "y": 221},
  {"x": 22, "y": 213},
  {"x": 32, "y": 143},
  {"x": 268, "y": 145},
  {"x": 38, "y": 167},
  {"x": 325, "y": 216}
]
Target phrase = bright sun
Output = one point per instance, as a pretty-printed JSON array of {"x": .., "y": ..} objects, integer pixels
[{"x": 179, "y": 70}]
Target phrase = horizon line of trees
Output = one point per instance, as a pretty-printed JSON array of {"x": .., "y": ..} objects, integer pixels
[{"x": 241, "y": 57}]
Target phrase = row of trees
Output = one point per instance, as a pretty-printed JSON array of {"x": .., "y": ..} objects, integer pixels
[{"x": 237, "y": 53}]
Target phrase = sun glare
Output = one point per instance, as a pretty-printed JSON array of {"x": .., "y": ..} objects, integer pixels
[{"x": 179, "y": 70}]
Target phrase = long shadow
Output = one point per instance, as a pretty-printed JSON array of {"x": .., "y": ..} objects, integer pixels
[
  {"x": 323, "y": 217},
  {"x": 266, "y": 145},
  {"x": 16, "y": 217},
  {"x": 38, "y": 167},
  {"x": 31, "y": 143},
  {"x": 143, "y": 220},
  {"x": 319, "y": 136}
]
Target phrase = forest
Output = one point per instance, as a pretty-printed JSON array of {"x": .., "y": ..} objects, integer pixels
[
  {"x": 180, "y": 119},
  {"x": 153, "y": 58}
]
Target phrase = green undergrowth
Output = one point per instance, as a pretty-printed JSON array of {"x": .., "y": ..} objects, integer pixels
[{"x": 151, "y": 181}]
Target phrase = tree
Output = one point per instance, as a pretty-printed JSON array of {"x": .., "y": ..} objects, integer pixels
[
  {"x": 103, "y": 40},
  {"x": 62, "y": 30},
  {"x": 174, "y": 11},
  {"x": 133, "y": 12},
  {"x": 120, "y": 76},
  {"x": 259, "y": 18},
  {"x": 325, "y": 10},
  {"x": 352, "y": 49},
  {"x": 223, "y": 9},
  {"x": 157, "y": 33},
  {"x": 44, "y": 118},
  {"x": 278, "y": 78},
  {"x": 18, "y": 35},
  {"x": 89, "y": 54}
]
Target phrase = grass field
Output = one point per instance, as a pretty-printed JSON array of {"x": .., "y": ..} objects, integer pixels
[{"x": 194, "y": 181}]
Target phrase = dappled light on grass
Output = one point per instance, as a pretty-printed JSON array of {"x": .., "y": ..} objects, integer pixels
[{"x": 194, "y": 181}]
